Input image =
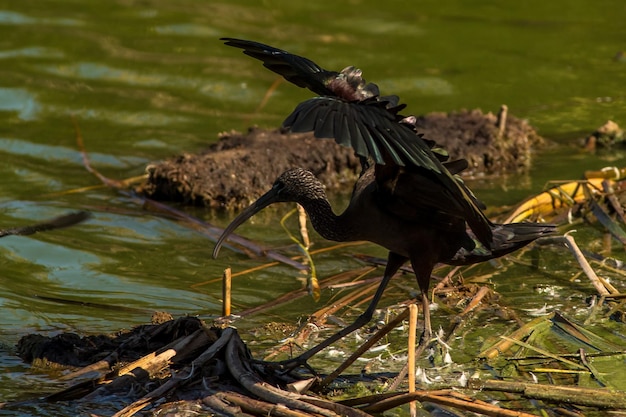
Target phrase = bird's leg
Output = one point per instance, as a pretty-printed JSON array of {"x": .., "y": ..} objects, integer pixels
[
  {"x": 422, "y": 273},
  {"x": 423, "y": 270},
  {"x": 394, "y": 262},
  {"x": 428, "y": 330}
]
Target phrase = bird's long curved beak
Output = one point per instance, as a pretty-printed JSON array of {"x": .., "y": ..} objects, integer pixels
[{"x": 265, "y": 200}]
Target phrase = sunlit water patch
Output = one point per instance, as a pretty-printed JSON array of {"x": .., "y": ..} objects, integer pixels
[
  {"x": 102, "y": 72},
  {"x": 379, "y": 25},
  {"x": 418, "y": 85},
  {"x": 61, "y": 153},
  {"x": 8, "y": 17},
  {"x": 21, "y": 101},
  {"x": 218, "y": 89},
  {"x": 31, "y": 52},
  {"x": 187, "y": 29}
]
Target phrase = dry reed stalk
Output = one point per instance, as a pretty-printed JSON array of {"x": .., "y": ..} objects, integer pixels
[
  {"x": 411, "y": 353},
  {"x": 226, "y": 292},
  {"x": 304, "y": 232}
]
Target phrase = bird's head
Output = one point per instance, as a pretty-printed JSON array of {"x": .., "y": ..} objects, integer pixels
[{"x": 295, "y": 185}]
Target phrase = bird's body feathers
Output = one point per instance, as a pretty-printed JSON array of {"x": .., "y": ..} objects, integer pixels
[{"x": 408, "y": 198}]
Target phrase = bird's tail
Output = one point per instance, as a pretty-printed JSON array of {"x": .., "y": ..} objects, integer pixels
[{"x": 506, "y": 239}]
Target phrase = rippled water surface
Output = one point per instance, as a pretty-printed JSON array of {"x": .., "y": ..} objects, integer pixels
[{"x": 147, "y": 80}]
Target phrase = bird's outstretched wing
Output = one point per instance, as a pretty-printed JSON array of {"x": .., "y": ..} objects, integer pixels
[
  {"x": 296, "y": 69},
  {"x": 367, "y": 126}
]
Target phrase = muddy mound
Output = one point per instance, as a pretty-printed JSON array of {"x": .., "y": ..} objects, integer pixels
[
  {"x": 240, "y": 167},
  {"x": 492, "y": 144}
]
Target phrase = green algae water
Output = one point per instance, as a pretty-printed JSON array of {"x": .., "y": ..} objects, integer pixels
[{"x": 148, "y": 80}]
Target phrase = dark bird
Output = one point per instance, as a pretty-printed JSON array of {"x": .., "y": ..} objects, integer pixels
[
  {"x": 60, "y": 222},
  {"x": 408, "y": 197}
]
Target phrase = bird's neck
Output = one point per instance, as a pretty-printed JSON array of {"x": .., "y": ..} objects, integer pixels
[{"x": 325, "y": 221}]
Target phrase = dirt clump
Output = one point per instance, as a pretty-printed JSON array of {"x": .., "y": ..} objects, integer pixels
[
  {"x": 240, "y": 167},
  {"x": 492, "y": 144}
]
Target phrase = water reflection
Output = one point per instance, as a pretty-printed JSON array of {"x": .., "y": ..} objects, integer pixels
[
  {"x": 187, "y": 29},
  {"x": 51, "y": 153},
  {"x": 20, "y": 101},
  {"x": 34, "y": 52},
  {"x": 8, "y": 17}
]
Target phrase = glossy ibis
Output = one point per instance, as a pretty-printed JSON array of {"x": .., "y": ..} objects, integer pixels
[{"x": 408, "y": 197}]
